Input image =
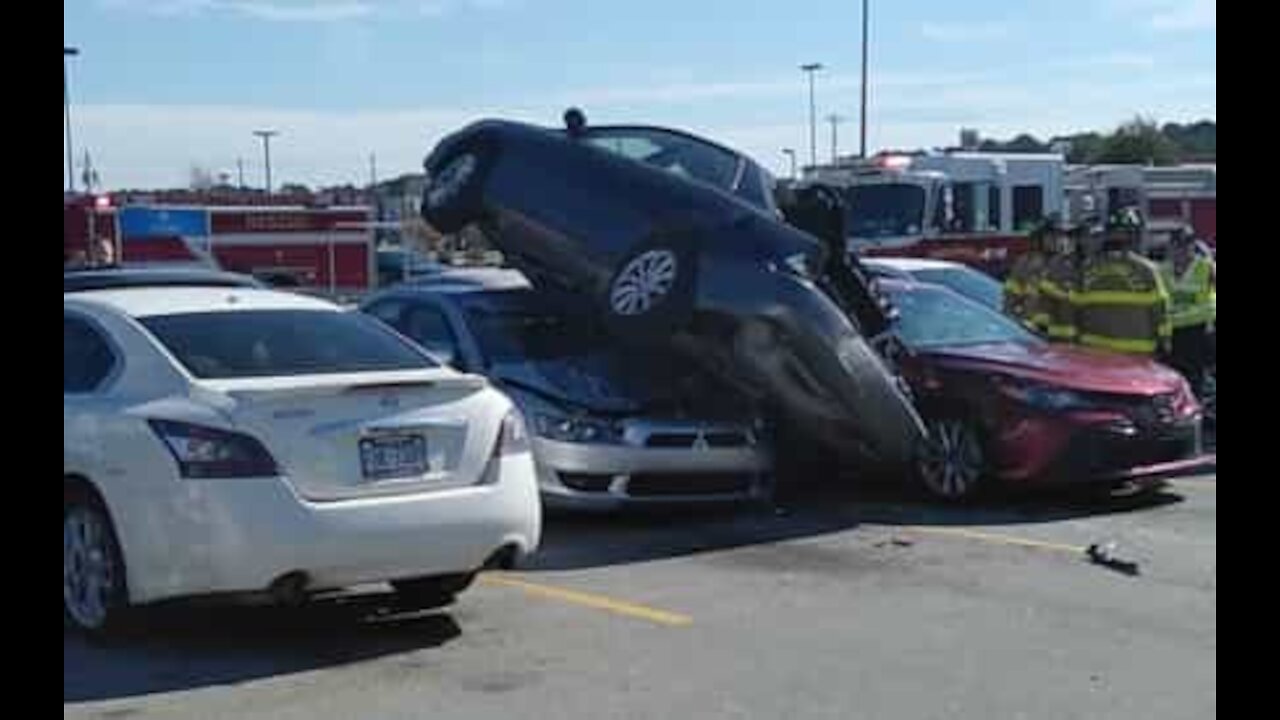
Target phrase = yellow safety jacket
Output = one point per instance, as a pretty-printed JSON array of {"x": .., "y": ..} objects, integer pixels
[
  {"x": 1022, "y": 290},
  {"x": 1194, "y": 298},
  {"x": 1123, "y": 304},
  {"x": 1058, "y": 288}
]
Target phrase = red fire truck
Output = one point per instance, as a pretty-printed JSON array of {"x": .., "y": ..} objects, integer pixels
[
  {"x": 978, "y": 208},
  {"x": 975, "y": 208},
  {"x": 316, "y": 249},
  {"x": 1169, "y": 197}
]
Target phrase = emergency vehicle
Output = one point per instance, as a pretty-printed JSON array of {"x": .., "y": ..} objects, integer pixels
[
  {"x": 969, "y": 207},
  {"x": 327, "y": 250},
  {"x": 1167, "y": 197}
]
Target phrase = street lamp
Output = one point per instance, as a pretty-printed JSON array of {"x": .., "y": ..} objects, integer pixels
[
  {"x": 792, "y": 154},
  {"x": 863, "y": 119},
  {"x": 810, "y": 69},
  {"x": 66, "y": 109},
  {"x": 266, "y": 136}
]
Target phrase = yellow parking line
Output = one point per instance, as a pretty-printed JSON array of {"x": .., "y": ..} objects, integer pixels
[
  {"x": 997, "y": 538},
  {"x": 591, "y": 600}
]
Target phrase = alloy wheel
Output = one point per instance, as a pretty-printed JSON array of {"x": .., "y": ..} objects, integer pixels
[
  {"x": 89, "y": 569},
  {"x": 643, "y": 282},
  {"x": 951, "y": 463}
]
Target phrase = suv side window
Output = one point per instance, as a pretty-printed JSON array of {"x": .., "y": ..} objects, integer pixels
[
  {"x": 87, "y": 358},
  {"x": 673, "y": 152},
  {"x": 428, "y": 326}
]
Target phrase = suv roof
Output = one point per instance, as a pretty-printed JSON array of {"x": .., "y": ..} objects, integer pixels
[{"x": 114, "y": 277}]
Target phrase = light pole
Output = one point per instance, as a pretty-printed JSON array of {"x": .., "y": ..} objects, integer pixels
[
  {"x": 792, "y": 154},
  {"x": 810, "y": 69},
  {"x": 66, "y": 109},
  {"x": 266, "y": 136},
  {"x": 834, "y": 120},
  {"x": 862, "y": 146}
]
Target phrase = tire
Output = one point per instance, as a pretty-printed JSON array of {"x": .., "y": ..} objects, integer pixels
[
  {"x": 453, "y": 199},
  {"x": 95, "y": 597},
  {"x": 432, "y": 592},
  {"x": 651, "y": 293},
  {"x": 951, "y": 464}
]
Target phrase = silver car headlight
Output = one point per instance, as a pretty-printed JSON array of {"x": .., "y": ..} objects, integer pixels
[{"x": 577, "y": 429}]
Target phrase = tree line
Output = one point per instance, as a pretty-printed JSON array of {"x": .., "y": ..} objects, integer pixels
[{"x": 1141, "y": 140}]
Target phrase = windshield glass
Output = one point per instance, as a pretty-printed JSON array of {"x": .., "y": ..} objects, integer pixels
[
  {"x": 672, "y": 152},
  {"x": 884, "y": 211},
  {"x": 932, "y": 317},
  {"x": 968, "y": 282},
  {"x": 271, "y": 343}
]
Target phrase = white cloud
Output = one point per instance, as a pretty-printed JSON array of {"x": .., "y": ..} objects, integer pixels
[
  {"x": 1167, "y": 15},
  {"x": 301, "y": 12},
  {"x": 965, "y": 32},
  {"x": 304, "y": 11},
  {"x": 1187, "y": 15}
]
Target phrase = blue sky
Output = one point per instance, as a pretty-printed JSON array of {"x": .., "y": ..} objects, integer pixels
[{"x": 162, "y": 85}]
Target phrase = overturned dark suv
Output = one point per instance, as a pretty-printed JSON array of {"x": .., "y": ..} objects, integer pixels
[{"x": 676, "y": 243}]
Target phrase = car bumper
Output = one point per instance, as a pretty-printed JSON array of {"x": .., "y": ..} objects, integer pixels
[
  {"x": 251, "y": 532},
  {"x": 1079, "y": 450},
  {"x": 582, "y": 476}
]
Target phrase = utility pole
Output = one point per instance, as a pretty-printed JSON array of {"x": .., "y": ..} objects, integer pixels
[
  {"x": 66, "y": 109},
  {"x": 810, "y": 69},
  {"x": 266, "y": 136},
  {"x": 240, "y": 171},
  {"x": 862, "y": 145},
  {"x": 834, "y": 120},
  {"x": 792, "y": 154},
  {"x": 373, "y": 170}
]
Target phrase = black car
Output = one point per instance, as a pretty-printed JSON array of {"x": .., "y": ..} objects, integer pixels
[{"x": 675, "y": 243}]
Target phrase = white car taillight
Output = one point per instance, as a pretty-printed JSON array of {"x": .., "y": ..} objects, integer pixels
[{"x": 205, "y": 452}]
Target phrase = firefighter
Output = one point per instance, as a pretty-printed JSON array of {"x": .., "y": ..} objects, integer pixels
[
  {"x": 1191, "y": 280},
  {"x": 1059, "y": 285},
  {"x": 1022, "y": 287},
  {"x": 1122, "y": 304}
]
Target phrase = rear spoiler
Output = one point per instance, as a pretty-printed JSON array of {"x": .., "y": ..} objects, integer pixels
[{"x": 301, "y": 386}]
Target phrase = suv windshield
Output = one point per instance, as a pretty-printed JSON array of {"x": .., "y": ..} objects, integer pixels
[
  {"x": 269, "y": 343},
  {"x": 884, "y": 211},
  {"x": 930, "y": 317}
]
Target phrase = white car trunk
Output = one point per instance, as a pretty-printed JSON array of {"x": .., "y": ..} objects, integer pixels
[{"x": 368, "y": 434}]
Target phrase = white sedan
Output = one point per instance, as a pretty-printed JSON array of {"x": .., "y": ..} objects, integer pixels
[{"x": 238, "y": 440}]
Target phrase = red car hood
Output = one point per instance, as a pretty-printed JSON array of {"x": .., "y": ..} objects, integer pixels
[{"x": 1065, "y": 366}]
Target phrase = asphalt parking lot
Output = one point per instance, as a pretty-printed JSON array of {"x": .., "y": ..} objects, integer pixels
[{"x": 847, "y": 604}]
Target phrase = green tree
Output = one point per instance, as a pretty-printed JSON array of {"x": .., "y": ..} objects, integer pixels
[{"x": 1139, "y": 141}]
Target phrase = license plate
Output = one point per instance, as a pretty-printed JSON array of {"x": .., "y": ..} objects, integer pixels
[{"x": 393, "y": 456}]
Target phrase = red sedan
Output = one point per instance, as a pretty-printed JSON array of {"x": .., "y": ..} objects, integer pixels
[{"x": 1003, "y": 405}]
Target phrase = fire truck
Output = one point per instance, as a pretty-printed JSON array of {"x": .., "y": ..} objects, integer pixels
[
  {"x": 327, "y": 250},
  {"x": 970, "y": 207},
  {"x": 1168, "y": 197}
]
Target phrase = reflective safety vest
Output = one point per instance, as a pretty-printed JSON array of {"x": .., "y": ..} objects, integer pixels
[
  {"x": 1123, "y": 305},
  {"x": 1194, "y": 300},
  {"x": 1058, "y": 288},
  {"x": 1022, "y": 290}
]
